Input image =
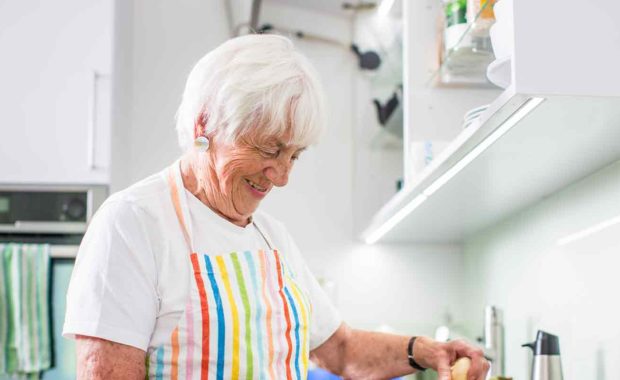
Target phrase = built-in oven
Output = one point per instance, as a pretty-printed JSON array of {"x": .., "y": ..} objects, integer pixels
[{"x": 58, "y": 216}]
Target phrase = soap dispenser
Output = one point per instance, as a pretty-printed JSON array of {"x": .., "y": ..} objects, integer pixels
[{"x": 547, "y": 364}]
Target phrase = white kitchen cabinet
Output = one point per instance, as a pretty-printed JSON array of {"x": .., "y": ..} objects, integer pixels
[
  {"x": 55, "y": 71},
  {"x": 557, "y": 122}
]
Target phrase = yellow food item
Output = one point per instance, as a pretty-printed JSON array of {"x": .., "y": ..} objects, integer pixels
[{"x": 459, "y": 369}]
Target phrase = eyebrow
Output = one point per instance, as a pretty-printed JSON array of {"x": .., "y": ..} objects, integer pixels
[{"x": 281, "y": 145}]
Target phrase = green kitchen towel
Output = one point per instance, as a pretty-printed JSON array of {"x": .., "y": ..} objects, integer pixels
[{"x": 25, "y": 343}]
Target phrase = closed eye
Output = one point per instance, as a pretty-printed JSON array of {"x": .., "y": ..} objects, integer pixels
[{"x": 271, "y": 153}]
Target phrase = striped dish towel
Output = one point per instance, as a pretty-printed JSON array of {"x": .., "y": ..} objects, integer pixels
[{"x": 25, "y": 343}]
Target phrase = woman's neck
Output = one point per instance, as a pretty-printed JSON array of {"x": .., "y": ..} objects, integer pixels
[{"x": 203, "y": 189}]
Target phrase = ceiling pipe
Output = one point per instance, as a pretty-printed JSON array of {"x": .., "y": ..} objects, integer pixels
[{"x": 255, "y": 14}]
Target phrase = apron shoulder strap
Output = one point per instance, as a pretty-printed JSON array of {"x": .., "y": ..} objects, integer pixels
[
  {"x": 178, "y": 208},
  {"x": 263, "y": 233}
]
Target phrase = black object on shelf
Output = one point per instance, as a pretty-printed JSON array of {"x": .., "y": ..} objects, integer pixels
[
  {"x": 385, "y": 111},
  {"x": 369, "y": 60}
]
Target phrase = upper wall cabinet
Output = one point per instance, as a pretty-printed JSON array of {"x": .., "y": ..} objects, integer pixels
[
  {"x": 552, "y": 118},
  {"x": 55, "y": 91}
]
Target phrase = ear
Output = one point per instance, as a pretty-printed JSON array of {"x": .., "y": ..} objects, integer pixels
[{"x": 200, "y": 125}]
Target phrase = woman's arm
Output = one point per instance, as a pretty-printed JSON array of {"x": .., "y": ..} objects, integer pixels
[
  {"x": 357, "y": 354},
  {"x": 102, "y": 359}
]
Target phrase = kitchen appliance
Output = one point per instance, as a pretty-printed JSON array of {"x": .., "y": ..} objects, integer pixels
[
  {"x": 58, "y": 216},
  {"x": 547, "y": 364},
  {"x": 55, "y": 215}
]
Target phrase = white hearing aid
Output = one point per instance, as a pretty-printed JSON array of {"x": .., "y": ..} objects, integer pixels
[{"x": 201, "y": 144}]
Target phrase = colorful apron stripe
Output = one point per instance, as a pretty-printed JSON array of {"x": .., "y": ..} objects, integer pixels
[
  {"x": 204, "y": 312},
  {"x": 296, "y": 317},
  {"x": 289, "y": 343},
  {"x": 174, "y": 371},
  {"x": 268, "y": 321},
  {"x": 221, "y": 325},
  {"x": 249, "y": 373},
  {"x": 159, "y": 373},
  {"x": 306, "y": 322},
  {"x": 254, "y": 294},
  {"x": 235, "y": 316},
  {"x": 189, "y": 322},
  {"x": 259, "y": 312}
]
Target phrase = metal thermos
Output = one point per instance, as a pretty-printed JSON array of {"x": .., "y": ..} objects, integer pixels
[
  {"x": 494, "y": 339},
  {"x": 547, "y": 364}
]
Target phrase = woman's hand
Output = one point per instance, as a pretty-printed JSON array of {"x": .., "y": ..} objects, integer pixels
[{"x": 440, "y": 357}]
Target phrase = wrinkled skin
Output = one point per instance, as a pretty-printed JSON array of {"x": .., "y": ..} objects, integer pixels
[{"x": 219, "y": 176}]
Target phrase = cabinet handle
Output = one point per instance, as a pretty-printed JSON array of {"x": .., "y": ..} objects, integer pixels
[{"x": 92, "y": 122}]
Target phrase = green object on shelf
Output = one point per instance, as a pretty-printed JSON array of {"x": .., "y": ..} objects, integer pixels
[{"x": 456, "y": 12}]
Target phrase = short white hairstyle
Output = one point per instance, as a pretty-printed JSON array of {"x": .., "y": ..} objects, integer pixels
[{"x": 253, "y": 81}]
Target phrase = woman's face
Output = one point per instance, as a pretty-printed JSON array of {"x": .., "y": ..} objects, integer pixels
[{"x": 244, "y": 172}]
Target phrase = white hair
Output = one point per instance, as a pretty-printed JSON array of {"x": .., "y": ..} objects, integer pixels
[{"x": 253, "y": 81}]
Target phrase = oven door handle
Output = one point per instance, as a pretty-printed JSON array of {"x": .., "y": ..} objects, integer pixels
[
  {"x": 64, "y": 251},
  {"x": 44, "y": 227}
]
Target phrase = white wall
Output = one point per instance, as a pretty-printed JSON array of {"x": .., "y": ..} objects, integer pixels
[
  {"x": 569, "y": 290},
  {"x": 122, "y": 90},
  {"x": 158, "y": 42},
  {"x": 339, "y": 184},
  {"x": 334, "y": 188}
]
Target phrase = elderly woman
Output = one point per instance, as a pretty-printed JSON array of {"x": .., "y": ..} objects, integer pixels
[{"x": 180, "y": 275}]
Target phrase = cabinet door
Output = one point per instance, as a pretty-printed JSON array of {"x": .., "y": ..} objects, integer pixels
[{"x": 55, "y": 60}]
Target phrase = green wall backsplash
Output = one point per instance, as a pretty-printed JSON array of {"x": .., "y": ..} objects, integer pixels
[{"x": 566, "y": 289}]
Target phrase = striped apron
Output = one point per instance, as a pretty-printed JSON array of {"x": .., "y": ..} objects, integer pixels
[{"x": 245, "y": 318}]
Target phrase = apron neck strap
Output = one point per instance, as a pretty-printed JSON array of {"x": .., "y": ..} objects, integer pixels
[
  {"x": 173, "y": 176},
  {"x": 263, "y": 234},
  {"x": 175, "y": 184}
]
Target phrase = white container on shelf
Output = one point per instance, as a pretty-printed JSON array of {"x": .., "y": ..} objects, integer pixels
[
  {"x": 502, "y": 32},
  {"x": 499, "y": 72}
]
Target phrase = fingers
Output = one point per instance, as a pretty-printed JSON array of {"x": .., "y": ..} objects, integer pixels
[
  {"x": 479, "y": 365},
  {"x": 485, "y": 369},
  {"x": 479, "y": 368},
  {"x": 443, "y": 368},
  {"x": 444, "y": 354}
]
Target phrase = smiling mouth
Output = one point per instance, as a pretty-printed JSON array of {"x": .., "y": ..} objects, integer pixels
[{"x": 255, "y": 186}]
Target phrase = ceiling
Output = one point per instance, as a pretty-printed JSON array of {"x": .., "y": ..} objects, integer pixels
[{"x": 334, "y": 7}]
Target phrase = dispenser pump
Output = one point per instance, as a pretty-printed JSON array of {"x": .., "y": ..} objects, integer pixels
[{"x": 545, "y": 344}]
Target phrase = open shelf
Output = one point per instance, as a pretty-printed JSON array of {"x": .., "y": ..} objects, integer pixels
[
  {"x": 553, "y": 142},
  {"x": 464, "y": 64}
]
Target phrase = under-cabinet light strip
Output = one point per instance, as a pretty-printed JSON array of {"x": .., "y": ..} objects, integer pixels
[
  {"x": 377, "y": 234},
  {"x": 526, "y": 108}
]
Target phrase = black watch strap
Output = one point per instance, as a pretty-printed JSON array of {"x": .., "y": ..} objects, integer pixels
[{"x": 412, "y": 361}]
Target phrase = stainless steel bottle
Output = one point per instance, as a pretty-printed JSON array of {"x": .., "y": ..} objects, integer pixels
[
  {"x": 547, "y": 364},
  {"x": 494, "y": 339}
]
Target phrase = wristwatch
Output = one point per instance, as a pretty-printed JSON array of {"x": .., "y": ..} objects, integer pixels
[{"x": 412, "y": 361}]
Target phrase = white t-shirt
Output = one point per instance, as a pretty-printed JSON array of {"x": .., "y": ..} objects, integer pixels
[{"x": 132, "y": 276}]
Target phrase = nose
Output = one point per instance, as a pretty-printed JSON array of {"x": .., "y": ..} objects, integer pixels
[{"x": 278, "y": 172}]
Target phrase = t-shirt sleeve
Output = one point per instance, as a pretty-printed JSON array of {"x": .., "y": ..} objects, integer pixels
[
  {"x": 324, "y": 318},
  {"x": 112, "y": 294}
]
